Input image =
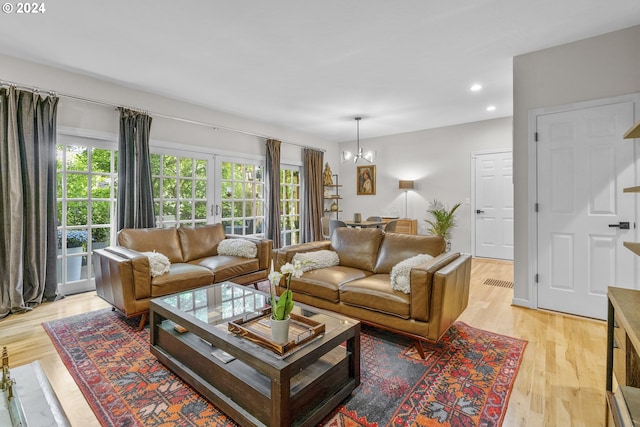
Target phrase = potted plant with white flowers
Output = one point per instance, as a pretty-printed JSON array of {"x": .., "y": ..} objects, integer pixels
[{"x": 281, "y": 307}]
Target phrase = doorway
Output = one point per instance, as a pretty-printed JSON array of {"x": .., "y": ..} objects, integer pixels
[
  {"x": 493, "y": 202},
  {"x": 583, "y": 217}
]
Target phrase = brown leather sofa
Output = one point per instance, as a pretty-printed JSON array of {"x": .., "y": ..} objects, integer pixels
[
  {"x": 123, "y": 277},
  {"x": 360, "y": 286}
]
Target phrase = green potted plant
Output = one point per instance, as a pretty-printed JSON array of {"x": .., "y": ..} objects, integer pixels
[
  {"x": 442, "y": 220},
  {"x": 281, "y": 307}
]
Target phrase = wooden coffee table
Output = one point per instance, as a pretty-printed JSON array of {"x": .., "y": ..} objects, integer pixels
[{"x": 258, "y": 386}]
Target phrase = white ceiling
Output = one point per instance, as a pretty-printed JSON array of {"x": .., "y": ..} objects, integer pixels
[{"x": 403, "y": 65}]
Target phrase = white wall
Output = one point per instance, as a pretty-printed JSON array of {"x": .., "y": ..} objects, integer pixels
[
  {"x": 90, "y": 116},
  {"x": 594, "y": 68},
  {"x": 439, "y": 160}
]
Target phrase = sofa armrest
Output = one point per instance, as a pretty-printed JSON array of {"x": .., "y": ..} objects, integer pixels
[
  {"x": 284, "y": 255},
  {"x": 265, "y": 248},
  {"x": 450, "y": 294},
  {"x": 122, "y": 276},
  {"x": 421, "y": 282}
]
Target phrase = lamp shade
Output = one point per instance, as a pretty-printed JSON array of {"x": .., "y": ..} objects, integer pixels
[{"x": 405, "y": 185}]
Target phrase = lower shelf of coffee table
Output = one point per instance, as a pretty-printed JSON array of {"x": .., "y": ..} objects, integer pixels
[{"x": 252, "y": 397}]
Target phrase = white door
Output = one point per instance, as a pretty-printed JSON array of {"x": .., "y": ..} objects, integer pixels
[
  {"x": 583, "y": 166},
  {"x": 494, "y": 205}
]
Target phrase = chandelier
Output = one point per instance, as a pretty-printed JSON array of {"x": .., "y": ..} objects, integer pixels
[{"x": 368, "y": 156}]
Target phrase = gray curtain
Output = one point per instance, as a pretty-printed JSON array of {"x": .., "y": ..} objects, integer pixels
[
  {"x": 135, "y": 194},
  {"x": 28, "y": 223},
  {"x": 272, "y": 188},
  {"x": 311, "y": 228}
]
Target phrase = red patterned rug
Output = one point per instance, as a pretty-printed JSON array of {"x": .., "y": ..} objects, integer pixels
[{"x": 466, "y": 379}]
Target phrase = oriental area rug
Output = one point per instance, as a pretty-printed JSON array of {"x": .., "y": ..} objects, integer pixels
[{"x": 465, "y": 380}]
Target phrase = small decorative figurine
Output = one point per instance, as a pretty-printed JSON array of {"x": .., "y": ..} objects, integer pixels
[{"x": 328, "y": 180}]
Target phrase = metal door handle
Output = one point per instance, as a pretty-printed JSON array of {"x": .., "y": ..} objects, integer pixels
[
  {"x": 478, "y": 211},
  {"x": 621, "y": 225}
]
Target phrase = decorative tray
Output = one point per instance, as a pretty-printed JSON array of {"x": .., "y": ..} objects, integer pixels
[{"x": 258, "y": 330}]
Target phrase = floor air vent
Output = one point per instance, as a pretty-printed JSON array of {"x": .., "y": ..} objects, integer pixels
[{"x": 499, "y": 283}]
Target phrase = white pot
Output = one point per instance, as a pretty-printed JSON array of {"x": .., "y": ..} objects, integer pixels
[{"x": 280, "y": 330}]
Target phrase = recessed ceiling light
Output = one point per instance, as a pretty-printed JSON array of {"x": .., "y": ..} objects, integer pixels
[
  {"x": 491, "y": 108},
  {"x": 476, "y": 87}
]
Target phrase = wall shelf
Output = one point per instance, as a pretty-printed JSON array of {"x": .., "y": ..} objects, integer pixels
[
  {"x": 634, "y": 132},
  {"x": 333, "y": 198},
  {"x": 623, "y": 341}
]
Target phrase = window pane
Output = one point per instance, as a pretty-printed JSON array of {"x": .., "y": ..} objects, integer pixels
[
  {"x": 77, "y": 213},
  {"x": 77, "y": 158},
  {"x": 100, "y": 235},
  {"x": 169, "y": 188},
  {"x": 201, "y": 168},
  {"x": 77, "y": 185},
  {"x": 101, "y": 160},
  {"x": 155, "y": 186},
  {"x": 226, "y": 209},
  {"x": 155, "y": 160},
  {"x": 59, "y": 185},
  {"x": 201, "y": 190},
  {"x": 100, "y": 186},
  {"x": 100, "y": 213},
  {"x": 227, "y": 190},
  {"x": 226, "y": 171},
  {"x": 186, "y": 189},
  {"x": 170, "y": 166},
  {"x": 238, "y": 174},
  {"x": 186, "y": 167},
  {"x": 186, "y": 210},
  {"x": 169, "y": 208},
  {"x": 201, "y": 210},
  {"x": 237, "y": 209}
]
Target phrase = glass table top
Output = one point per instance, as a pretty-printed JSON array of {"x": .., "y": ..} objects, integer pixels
[{"x": 224, "y": 302}]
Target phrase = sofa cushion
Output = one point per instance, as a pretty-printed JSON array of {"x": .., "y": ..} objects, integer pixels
[
  {"x": 374, "y": 292},
  {"x": 401, "y": 271},
  {"x": 325, "y": 282},
  {"x": 200, "y": 242},
  {"x": 181, "y": 277},
  {"x": 158, "y": 263},
  {"x": 163, "y": 240},
  {"x": 238, "y": 247},
  {"x": 398, "y": 247},
  {"x": 316, "y": 259},
  {"x": 357, "y": 247},
  {"x": 226, "y": 267}
]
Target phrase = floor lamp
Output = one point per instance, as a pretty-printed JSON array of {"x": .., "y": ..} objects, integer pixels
[{"x": 406, "y": 186}]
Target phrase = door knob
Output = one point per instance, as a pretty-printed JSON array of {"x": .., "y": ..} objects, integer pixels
[
  {"x": 478, "y": 211},
  {"x": 621, "y": 225}
]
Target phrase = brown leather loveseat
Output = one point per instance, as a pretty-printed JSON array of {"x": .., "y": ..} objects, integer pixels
[
  {"x": 360, "y": 286},
  {"x": 123, "y": 276}
]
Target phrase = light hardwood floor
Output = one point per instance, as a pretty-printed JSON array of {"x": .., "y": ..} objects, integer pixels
[{"x": 560, "y": 383}]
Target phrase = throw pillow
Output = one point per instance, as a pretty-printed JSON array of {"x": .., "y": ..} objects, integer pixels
[
  {"x": 238, "y": 247},
  {"x": 400, "y": 273},
  {"x": 316, "y": 259},
  {"x": 159, "y": 264}
]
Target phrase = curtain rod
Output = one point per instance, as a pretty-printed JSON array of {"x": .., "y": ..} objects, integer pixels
[{"x": 151, "y": 113}]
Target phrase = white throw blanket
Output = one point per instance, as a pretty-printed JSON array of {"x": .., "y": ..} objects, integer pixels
[
  {"x": 238, "y": 247},
  {"x": 400, "y": 273},
  {"x": 159, "y": 264},
  {"x": 316, "y": 259}
]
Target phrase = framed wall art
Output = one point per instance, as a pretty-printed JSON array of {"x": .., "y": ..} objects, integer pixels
[{"x": 366, "y": 176}]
